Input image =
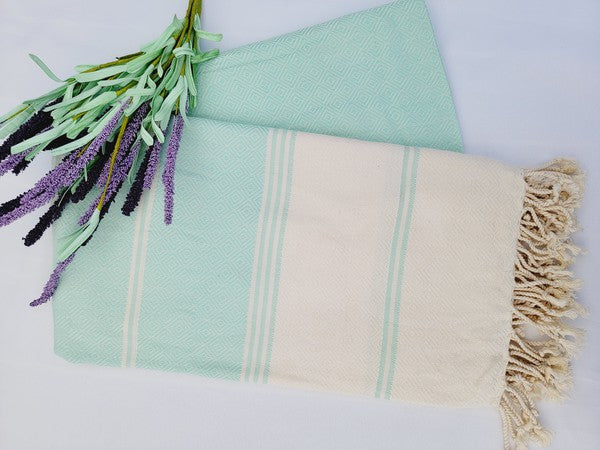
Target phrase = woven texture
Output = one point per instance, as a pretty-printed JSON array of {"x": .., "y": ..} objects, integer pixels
[
  {"x": 312, "y": 261},
  {"x": 375, "y": 75},
  {"x": 387, "y": 270},
  {"x": 301, "y": 81}
]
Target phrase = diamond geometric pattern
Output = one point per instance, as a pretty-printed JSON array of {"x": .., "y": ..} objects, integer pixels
[{"x": 374, "y": 75}]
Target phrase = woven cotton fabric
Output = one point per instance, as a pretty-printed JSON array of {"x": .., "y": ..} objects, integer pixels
[
  {"x": 374, "y": 75},
  {"x": 367, "y": 264},
  {"x": 318, "y": 262}
]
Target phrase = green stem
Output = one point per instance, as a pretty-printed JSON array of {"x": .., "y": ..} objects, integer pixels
[{"x": 196, "y": 8}]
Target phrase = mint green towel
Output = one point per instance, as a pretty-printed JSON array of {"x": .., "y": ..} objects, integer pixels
[{"x": 375, "y": 75}]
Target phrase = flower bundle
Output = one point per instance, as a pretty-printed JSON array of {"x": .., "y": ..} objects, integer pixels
[{"x": 107, "y": 124}]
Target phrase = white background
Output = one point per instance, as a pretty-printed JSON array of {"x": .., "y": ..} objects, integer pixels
[{"x": 526, "y": 81}]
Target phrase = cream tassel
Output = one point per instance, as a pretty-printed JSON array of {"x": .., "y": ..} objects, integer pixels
[{"x": 538, "y": 367}]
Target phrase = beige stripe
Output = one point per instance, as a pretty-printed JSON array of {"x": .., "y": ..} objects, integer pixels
[
  {"x": 394, "y": 292},
  {"x": 284, "y": 175},
  {"x": 264, "y": 250},
  {"x": 130, "y": 290},
  {"x": 140, "y": 286},
  {"x": 261, "y": 220}
]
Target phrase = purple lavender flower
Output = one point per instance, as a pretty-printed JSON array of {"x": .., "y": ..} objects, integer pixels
[
  {"x": 119, "y": 174},
  {"x": 169, "y": 172},
  {"x": 25, "y": 208},
  {"x": 47, "y": 181},
  {"x": 122, "y": 170},
  {"x": 129, "y": 136},
  {"x": 63, "y": 175},
  {"x": 81, "y": 161},
  {"x": 96, "y": 163},
  {"x": 11, "y": 162},
  {"x": 70, "y": 168},
  {"x": 52, "y": 283}
]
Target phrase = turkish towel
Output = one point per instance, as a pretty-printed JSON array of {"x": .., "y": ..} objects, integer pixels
[
  {"x": 374, "y": 75},
  {"x": 335, "y": 264},
  {"x": 342, "y": 265}
]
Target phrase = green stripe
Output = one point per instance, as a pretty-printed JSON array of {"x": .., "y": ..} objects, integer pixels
[
  {"x": 286, "y": 205},
  {"x": 405, "y": 234},
  {"x": 269, "y": 264},
  {"x": 391, "y": 271},
  {"x": 259, "y": 265}
]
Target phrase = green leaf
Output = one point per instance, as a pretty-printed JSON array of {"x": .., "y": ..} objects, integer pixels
[
  {"x": 173, "y": 77},
  {"x": 146, "y": 137},
  {"x": 176, "y": 26},
  {"x": 184, "y": 50},
  {"x": 206, "y": 56},
  {"x": 168, "y": 105},
  {"x": 13, "y": 124},
  {"x": 183, "y": 101},
  {"x": 75, "y": 241},
  {"x": 215, "y": 37},
  {"x": 41, "y": 138},
  {"x": 52, "y": 95},
  {"x": 121, "y": 81},
  {"x": 45, "y": 68},
  {"x": 103, "y": 99},
  {"x": 69, "y": 101},
  {"x": 73, "y": 145},
  {"x": 141, "y": 62},
  {"x": 158, "y": 132},
  {"x": 189, "y": 74},
  {"x": 139, "y": 92},
  {"x": 36, "y": 151},
  {"x": 68, "y": 92},
  {"x": 100, "y": 73},
  {"x": 13, "y": 112},
  {"x": 84, "y": 67},
  {"x": 84, "y": 122},
  {"x": 98, "y": 126}
]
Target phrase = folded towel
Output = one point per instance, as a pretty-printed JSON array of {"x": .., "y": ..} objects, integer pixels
[
  {"x": 375, "y": 75},
  {"x": 327, "y": 263},
  {"x": 333, "y": 264}
]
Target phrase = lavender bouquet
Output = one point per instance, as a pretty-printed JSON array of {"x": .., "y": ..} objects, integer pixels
[{"x": 107, "y": 124}]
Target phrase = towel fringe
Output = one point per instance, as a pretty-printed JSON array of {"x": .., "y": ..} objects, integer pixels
[{"x": 542, "y": 344}]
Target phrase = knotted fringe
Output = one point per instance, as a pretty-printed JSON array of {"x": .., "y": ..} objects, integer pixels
[{"x": 542, "y": 343}]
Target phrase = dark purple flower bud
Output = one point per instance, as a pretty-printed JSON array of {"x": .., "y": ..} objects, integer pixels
[
  {"x": 51, "y": 216},
  {"x": 34, "y": 125},
  {"x": 10, "y": 205},
  {"x": 25, "y": 208},
  {"x": 21, "y": 166},
  {"x": 135, "y": 192},
  {"x": 94, "y": 170}
]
